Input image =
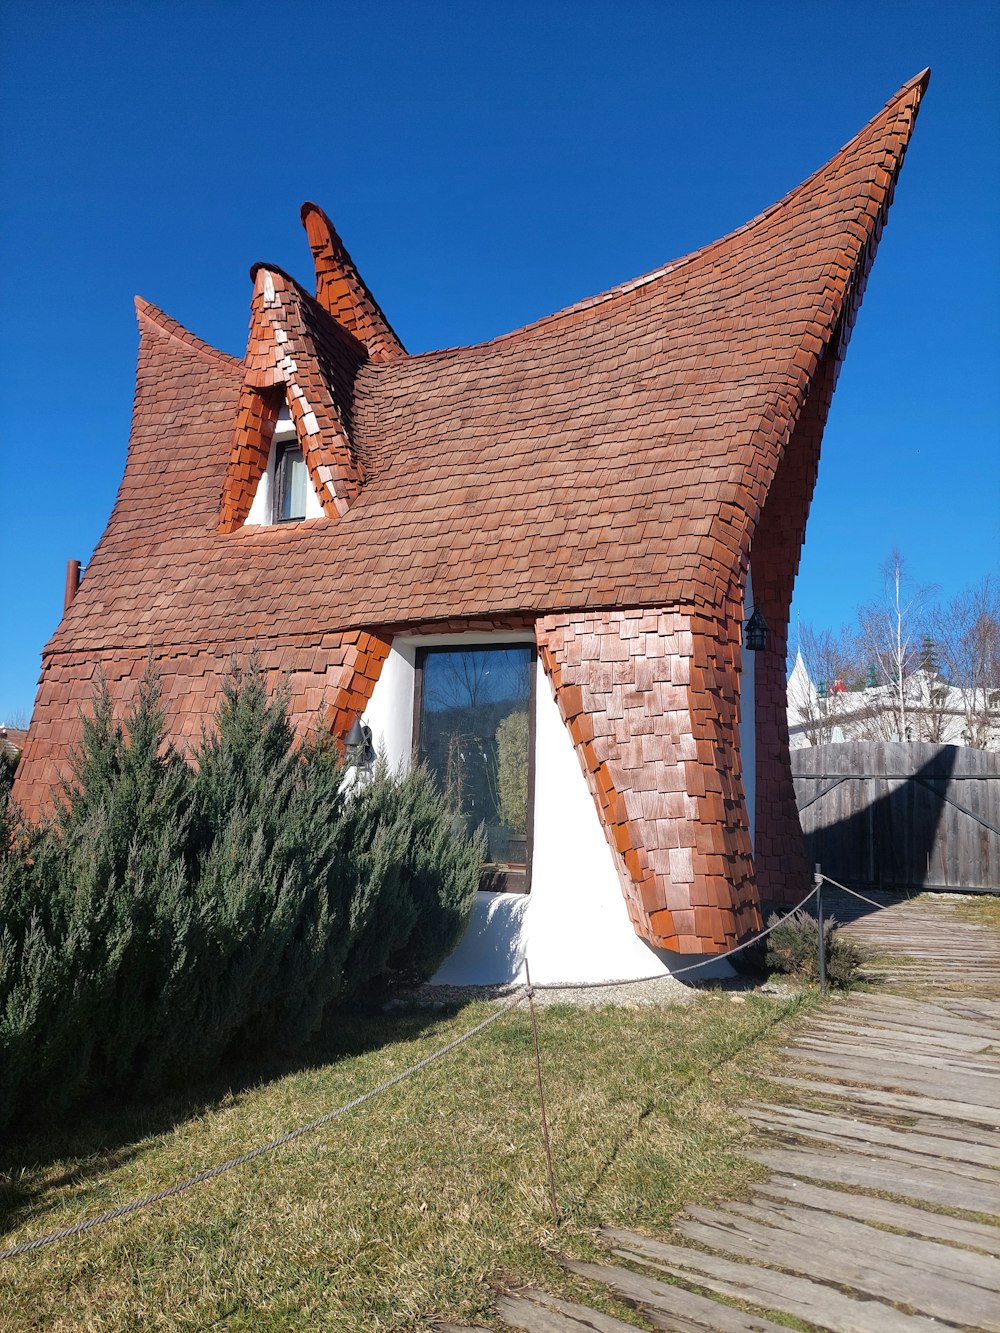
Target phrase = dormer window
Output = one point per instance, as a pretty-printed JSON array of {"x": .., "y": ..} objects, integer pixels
[
  {"x": 291, "y": 483},
  {"x": 285, "y": 493}
]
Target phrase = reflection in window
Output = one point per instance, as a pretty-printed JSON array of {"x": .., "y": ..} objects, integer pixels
[
  {"x": 474, "y": 726},
  {"x": 290, "y": 482}
]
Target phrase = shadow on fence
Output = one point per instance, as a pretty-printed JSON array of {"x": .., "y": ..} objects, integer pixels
[{"x": 901, "y": 816}]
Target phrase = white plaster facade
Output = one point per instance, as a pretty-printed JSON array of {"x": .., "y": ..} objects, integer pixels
[{"x": 573, "y": 926}]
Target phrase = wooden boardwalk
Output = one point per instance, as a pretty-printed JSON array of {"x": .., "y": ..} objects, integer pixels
[{"x": 881, "y": 1210}]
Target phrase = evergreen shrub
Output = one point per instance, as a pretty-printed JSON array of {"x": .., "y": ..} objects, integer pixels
[
  {"x": 793, "y": 948},
  {"x": 422, "y": 873},
  {"x": 170, "y": 914},
  {"x": 8, "y": 767}
]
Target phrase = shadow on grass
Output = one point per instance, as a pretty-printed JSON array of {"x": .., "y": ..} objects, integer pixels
[
  {"x": 696, "y": 1076},
  {"x": 104, "y": 1133}
]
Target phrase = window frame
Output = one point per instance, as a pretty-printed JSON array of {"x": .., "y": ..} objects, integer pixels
[
  {"x": 492, "y": 881},
  {"x": 282, "y": 449}
]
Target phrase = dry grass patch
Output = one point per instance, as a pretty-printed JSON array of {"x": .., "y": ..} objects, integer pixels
[
  {"x": 414, "y": 1205},
  {"x": 981, "y": 908}
]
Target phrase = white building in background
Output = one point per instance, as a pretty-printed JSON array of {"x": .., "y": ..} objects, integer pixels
[{"x": 929, "y": 710}]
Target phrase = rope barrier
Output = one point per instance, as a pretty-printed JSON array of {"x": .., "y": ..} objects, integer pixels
[
  {"x": 200, "y": 1177},
  {"x": 854, "y": 893},
  {"x": 125, "y": 1210}
]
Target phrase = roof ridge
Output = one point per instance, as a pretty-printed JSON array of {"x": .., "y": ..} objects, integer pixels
[
  {"x": 918, "y": 84},
  {"x": 164, "y": 323}
]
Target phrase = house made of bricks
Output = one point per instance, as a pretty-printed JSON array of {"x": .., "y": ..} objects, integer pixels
[{"x": 527, "y": 563}]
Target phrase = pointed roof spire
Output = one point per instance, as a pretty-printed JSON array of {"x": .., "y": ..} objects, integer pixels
[
  {"x": 342, "y": 292},
  {"x": 800, "y": 689}
]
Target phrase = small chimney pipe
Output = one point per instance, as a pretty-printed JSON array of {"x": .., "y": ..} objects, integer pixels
[{"x": 72, "y": 583}]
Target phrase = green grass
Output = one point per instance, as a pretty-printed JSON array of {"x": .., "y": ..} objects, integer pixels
[{"x": 417, "y": 1204}]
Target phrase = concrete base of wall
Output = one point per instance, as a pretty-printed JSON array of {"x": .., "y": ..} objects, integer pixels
[
  {"x": 491, "y": 952},
  {"x": 500, "y": 935}
]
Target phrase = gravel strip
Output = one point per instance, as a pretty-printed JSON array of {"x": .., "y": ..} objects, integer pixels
[
  {"x": 659, "y": 992},
  {"x": 632, "y": 994}
]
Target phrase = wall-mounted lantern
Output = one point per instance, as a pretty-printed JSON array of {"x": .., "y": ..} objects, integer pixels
[
  {"x": 755, "y": 632},
  {"x": 358, "y": 745}
]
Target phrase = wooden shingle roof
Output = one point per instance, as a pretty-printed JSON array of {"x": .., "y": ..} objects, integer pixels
[{"x": 616, "y": 454}]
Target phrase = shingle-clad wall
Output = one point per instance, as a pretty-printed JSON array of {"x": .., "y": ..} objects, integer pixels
[
  {"x": 256, "y": 415},
  {"x": 724, "y": 851},
  {"x": 783, "y": 871},
  {"x": 651, "y": 700},
  {"x": 364, "y": 654},
  {"x": 329, "y": 682}
]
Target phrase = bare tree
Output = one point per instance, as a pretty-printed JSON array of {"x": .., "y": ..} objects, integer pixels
[
  {"x": 471, "y": 679},
  {"x": 967, "y": 631},
  {"x": 911, "y": 670},
  {"x": 891, "y": 633},
  {"x": 458, "y": 681},
  {"x": 833, "y": 666}
]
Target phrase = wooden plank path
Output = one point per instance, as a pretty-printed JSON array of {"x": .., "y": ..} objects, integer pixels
[{"x": 882, "y": 1209}]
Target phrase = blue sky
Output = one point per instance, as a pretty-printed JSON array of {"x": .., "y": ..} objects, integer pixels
[{"x": 485, "y": 164}]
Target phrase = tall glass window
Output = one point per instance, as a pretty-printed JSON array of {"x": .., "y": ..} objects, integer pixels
[{"x": 474, "y": 714}]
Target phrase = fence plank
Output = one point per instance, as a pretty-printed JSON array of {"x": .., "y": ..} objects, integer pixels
[{"x": 907, "y": 814}]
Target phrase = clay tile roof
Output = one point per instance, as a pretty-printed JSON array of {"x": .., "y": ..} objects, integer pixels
[
  {"x": 152, "y": 317},
  {"x": 296, "y": 345},
  {"x": 616, "y": 454}
]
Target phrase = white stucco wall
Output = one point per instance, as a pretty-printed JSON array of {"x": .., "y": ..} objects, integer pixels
[
  {"x": 390, "y": 709},
  {"x": 573, "y": 926},
  {"x": 748, "y": 717}
]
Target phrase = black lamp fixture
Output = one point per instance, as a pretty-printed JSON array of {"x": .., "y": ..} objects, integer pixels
[
  {"x": 755, "y": 632},
  {"x": 358, "y": 743}
]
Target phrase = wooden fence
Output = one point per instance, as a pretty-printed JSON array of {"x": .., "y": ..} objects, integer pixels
[{"x": 886, "y": 814}]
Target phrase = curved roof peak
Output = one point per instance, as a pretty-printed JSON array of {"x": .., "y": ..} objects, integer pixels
[
  {"x": 341, "y": 290},
  {"x": 151, "y": 316},
  {"x": 623, "y": 460},
  {"x": 884, "y": 124}
]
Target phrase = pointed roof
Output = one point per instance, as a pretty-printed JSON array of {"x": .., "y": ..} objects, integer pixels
[
  {"x": 296, "y": 347},
  {"x": 616, "y": 454},
  {"x": 800, "y": 689},
  {"x": 341, "y": 290}
]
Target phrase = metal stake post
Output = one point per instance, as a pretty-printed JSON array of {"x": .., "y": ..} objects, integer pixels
[
  {"x": 818, "y": 877},
  {"x": 541, "y": 1097}
]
